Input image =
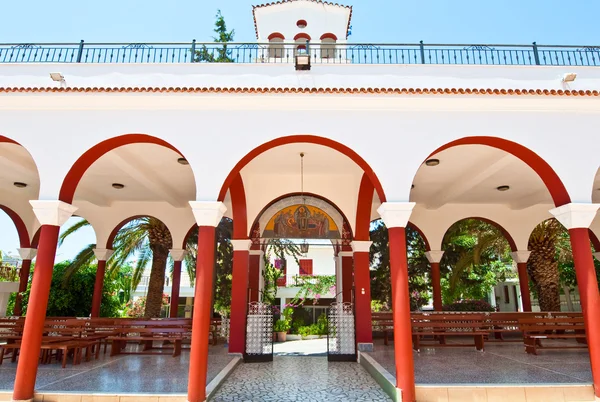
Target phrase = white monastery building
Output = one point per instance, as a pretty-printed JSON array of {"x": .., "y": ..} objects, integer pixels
[{"x": 411, "y": 134}]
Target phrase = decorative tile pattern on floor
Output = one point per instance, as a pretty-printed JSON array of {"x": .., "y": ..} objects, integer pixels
[
  {"x": 501, "y": 363},
  {"x": 300, "y": 379},
  {"x": 160, "y": 374}
]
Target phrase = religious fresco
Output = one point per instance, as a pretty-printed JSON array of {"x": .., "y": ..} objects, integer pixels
[{"x": 301, "y": 222}]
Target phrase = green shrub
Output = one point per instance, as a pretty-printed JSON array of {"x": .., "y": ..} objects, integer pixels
[
  {"x": 281, "y": 326},
  {"x": 322, "y": 324},
  {"x": 469, "y": 305},
  {"x": 296, "y": 324},
  {"x": 304, "y": 331}
]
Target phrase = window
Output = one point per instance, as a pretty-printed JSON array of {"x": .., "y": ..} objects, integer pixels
[
  {"x": 306, "y": 267},
  {"x": 328, "y": 42},
  {"x": 276, "y": 47}
]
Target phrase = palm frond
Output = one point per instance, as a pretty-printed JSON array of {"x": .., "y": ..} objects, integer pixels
[
  {"x": 72, "y": 229},
  {"x": 138, "y": 270},
  {"x": 84, "y": 258}
]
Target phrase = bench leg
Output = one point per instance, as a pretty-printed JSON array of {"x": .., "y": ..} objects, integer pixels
[
  {"x": 115, "y": 347},
  {"x": 479, "y": 342},
  {"x": 416, "y": 343},
  {"x": 177, "y": 348},
  {"x": 385, "y": 337},
  {"x": 530, "y": 344}
]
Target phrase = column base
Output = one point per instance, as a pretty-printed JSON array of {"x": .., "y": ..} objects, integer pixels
[
  {"x": 22, "y": 400},
  {"x": 365, "y": 347}
]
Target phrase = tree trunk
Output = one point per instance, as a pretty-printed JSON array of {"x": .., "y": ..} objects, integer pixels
[
  {"x": 543, "y": 270},
  {"x": 568, "y": 297},
  {"x": 160, "y": 243}
]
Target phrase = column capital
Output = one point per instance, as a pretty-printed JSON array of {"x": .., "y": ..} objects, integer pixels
[
  {"x": 520, "y": 256},
  {"x": 396, "y": 214},
  {"x": 257, "y": 252},
  {"x": 177, "y": 254},
  {"x": 241, "y": 244},
  {"x": 208, "y": 213},
  {"x": 361, "y": 246},
  {"x": 350, "y": 253},
  {"x": 434, "y": 256},
  {"x": 27, "y": 253},
  {"x": 103, "y": 254},
  {"x": 54, "y": 213},
  {"x": 573, "y": 216}
]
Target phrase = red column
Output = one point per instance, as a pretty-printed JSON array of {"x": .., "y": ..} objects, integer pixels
[
  {"x": 36, "y": 314},
  {"x": 23, "y": 280},
  {"x": 436, "y": 285},
  {"x": 239, "y": 296},
  {"x": 254, "y": 275},
  {"x": 175, "y": 286},
  {"x": 362, "y": 299},
  {"x": 201, "y": 319},
  {"x": 403, "y": 355},
  {"x": 348, "y": 279},
  {"x": 98, "y": 286},
  {"x": 590, "y": 297},
  {"x": 524, "y": 285}
]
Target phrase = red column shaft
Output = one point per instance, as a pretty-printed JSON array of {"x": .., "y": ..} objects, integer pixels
[
  {"x": 364, "y": 332},
  {"x": 36, "y": 314},
  {"x": 436, "y": 285},
  {"x": 348, "y": 279},
  {"x": 175, "y": 286},
  {"x": 405, "y": 372},
  {"x": 23, "y": 279},
  {"x": 254, "y": 277},
  {"x": 524, "y": 285},
  {"x": 590, "y": 297},
  {"x": 201, "y": 319},
  {"x": 98, "y": 286},
  {"x": 239, "y": 301}
]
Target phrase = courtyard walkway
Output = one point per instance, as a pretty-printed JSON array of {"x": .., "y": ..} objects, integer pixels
[{"x": 300, "y": 378}]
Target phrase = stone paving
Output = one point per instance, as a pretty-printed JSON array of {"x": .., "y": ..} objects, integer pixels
[
  {"x": 120, "y": 374},
  {"x": 501, "y": 363},
  {"x": 300, "y": 378}
]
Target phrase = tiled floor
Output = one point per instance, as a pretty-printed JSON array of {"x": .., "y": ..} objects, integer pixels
[
  {"x": 312, "y": 347},
  {"x": 300, "y": 378},
  {"x": 120, "y": 374},
  {"x": 501, "y": 363}
]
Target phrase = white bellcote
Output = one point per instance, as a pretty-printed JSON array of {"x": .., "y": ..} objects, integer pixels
[{"x": 301, "y": 20}]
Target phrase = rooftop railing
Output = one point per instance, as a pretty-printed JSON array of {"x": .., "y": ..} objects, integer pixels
[{"x": 320, "y": 53}]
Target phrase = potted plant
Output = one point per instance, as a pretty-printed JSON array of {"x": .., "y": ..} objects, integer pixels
[
  {"x": 281, "y": 327},
  {"x": 9, "y": 283}
]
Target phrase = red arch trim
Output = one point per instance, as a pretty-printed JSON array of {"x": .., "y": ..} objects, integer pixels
[
  {"x": 262, "y": 211},
  {"x": 363, "y": 208},
  {"x": 187, "y": 236},
  {"x": 557, "y": 190},
  {"x": 239, "y": 210},
  {"x": 72, "y": 179},
  {"x": 302, "y": 35},
  {"x": 19, "y": 224},
  {"x": 328, "y": 35},
  {"x": 276, "y": 35},
  {"x": 6, "y": 139},
  {"x": 507, "y": 236},
  {"x": 311, "y": 139}
]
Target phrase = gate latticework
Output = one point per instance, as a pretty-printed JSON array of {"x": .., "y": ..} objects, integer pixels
[
  {"x": 341, "y": 344},
  {"x": 259, "y": 333}
]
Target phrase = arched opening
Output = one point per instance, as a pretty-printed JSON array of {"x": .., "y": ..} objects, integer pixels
[
  {"x": 328, "y": 46},
  {"x": 301, "y": 41},
  {"x": 477, "y": 266},
  {"x": 276, "y": 45}
]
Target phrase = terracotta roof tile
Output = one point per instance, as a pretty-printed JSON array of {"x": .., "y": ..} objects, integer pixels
[
  {"x": 274, "y": 3},
  {"x": 288, "y": 90}
]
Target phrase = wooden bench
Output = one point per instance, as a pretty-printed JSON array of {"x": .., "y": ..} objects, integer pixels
[
  {"x": 438, "y": 326},
  {"x": 147, "y": 332},
  {"x": 383, "y": 322},
  {"x": 556, "y": 327}
]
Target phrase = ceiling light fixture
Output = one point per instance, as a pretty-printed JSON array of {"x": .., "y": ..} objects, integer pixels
[
  {"x": 183, "y": 161},
  {"x": 503, "y": 188},
  {"x": 412, "y": 186},
  {"x": 19, "y": 184},
  {"x": 432, "y": 162},
  {"x": 118, "y": 186}
]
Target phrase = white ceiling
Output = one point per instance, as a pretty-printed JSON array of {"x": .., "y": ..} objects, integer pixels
[
  {"x": 149, "y": 172},
  {"x": 16, "y": 165},
  {"x": 470, "y": 174}
]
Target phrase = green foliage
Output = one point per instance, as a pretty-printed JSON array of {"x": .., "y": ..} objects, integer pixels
[
  {"x": 281, "y": 326},
  {"x": 270, "y": 277},
  {"x": 75, "y": 300},
  {"x": 319, "y": 328},
  {"x": 476, "y": 257},
  {"x": 219, "y": 55},
  {"x": 378, "y": 306},
  {"x": 469, "y": 305},
  {"x": 418, "y": 267},
  {"x": 304, "y": 331},
  {"x": 223, "y": 267},
  {"x": 297, "y": 322},
  {"x": 137, "y": 308},
  {"x": 322, "y": 324},
  {"x": 313, "y": 287}
]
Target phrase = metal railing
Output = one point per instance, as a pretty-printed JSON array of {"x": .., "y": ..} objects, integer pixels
[{"x": 320, "y": 53}]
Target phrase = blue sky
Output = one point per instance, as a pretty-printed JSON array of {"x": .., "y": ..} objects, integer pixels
[{"x": 551, "y": 22}]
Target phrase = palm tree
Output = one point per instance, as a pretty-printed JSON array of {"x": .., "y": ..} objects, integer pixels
[
  {"x": 146, "y": 238},
  {"x": 547, "y": 250}
]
